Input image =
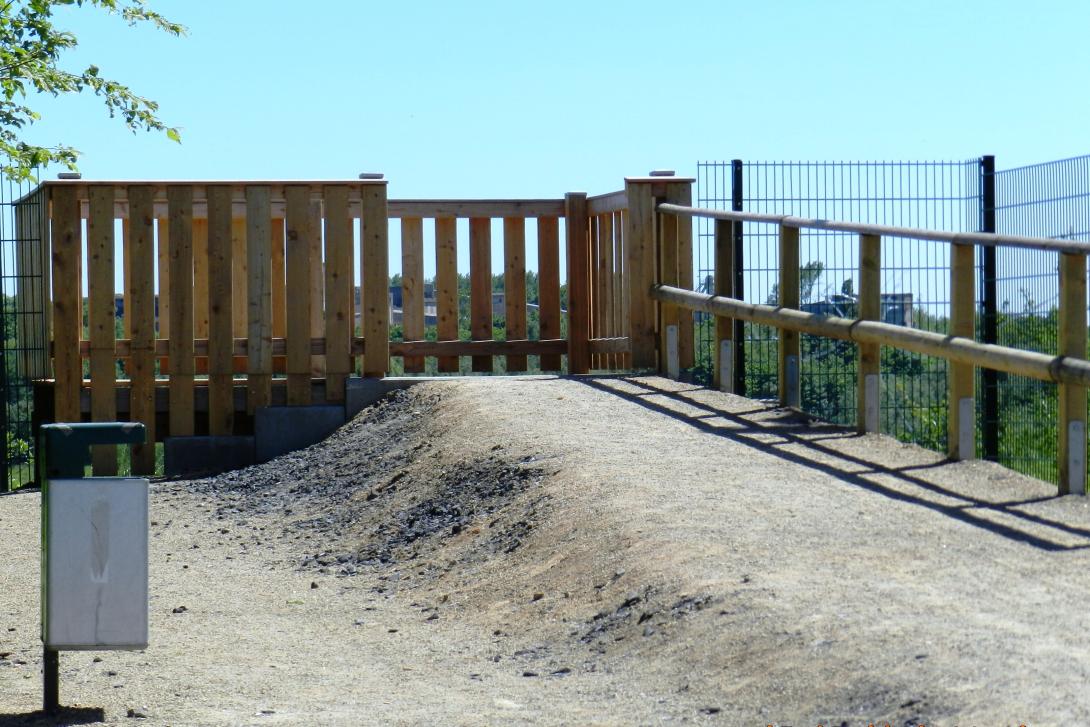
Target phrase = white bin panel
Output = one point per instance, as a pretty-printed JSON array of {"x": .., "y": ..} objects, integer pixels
[{"x": 96, "y": 564}]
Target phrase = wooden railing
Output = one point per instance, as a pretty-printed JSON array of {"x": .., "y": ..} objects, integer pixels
[{"x": 1070, "y": 370}]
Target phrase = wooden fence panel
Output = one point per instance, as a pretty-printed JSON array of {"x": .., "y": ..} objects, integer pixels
[
  {"x": 480, "y": 287},
  {"x": 67, "y": 306},
  {"x": 162, "y": 227},
  {"x": 412, "y": 287},
  {"x": 101, "y": 319},
  {"x": 297, "y": 263},
  {"x": 180, "y": 215},
  {"x": 221, "y": 366},
  {"x": 446, "y": 287},
  {"x": 339, "y": 304},
  {"x": 259, "y": 245},
  {"x": 514, "y": 286},
  {"x": 375, "y": 259},
  {"x": 140, "y": 314},
  {"x": 548, "y": 286}
]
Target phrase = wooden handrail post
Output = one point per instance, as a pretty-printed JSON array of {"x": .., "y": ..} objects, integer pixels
[
  {"x": 870, "y": 309},
  {"x": 961, "y": 404},
  {"x": 640, "y": 260},
  {"x": 669, "y": 323},
  {"x": 789, "y": 298},
  {"x": 681, "y": 192},
  {"x": 375, "y": 259},
  {"x": 1073, "y": 335},
  {"x": 577, "y": 226},
  {"x": 724, "y": 327}
]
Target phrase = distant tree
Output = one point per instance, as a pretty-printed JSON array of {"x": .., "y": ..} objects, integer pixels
[{"x": 31, "y": 47}]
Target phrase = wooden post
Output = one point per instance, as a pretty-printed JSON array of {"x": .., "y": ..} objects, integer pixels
[
  {"x": 141, "y": 318},
  {"x": 339, "y": 295},
  {"x": 259, "y": 296},
  {"x": 514, "y": 286},
  {"x": 480, "y": 287},
  {"x": 868, "y": 393},
  {"x": 67, "y": 306},
  {"x": 298, "y": 280},
  {"x": 412, "y": 288},
  {"x": 961, "y": 418},
  {"x": 317, "y": 288},
  {"x": 375, "y": 241},
  {"x": 1073, "y": 335},
  {"x": 221, "y": 365},
  {"x": 682, "y": 193},
  {"x": 279, "y": 291},
  {"x": 669, "y": 314},
  {"x": 162, "y": 252},
  {"x": 789, "y": 298},
  {"x": 101, "y": 318},
  {"x": 724, "y": 286},
  {"x": 180, "y": 214},
  {"x": 548, "y": 285},
  {"x": 239, "y": 279},
  {"x": 200, "y": 287},
  {"x": 577, "y": 225},
  {"x": 446, "y": 287},
  {"x": 641, "y": 273}
]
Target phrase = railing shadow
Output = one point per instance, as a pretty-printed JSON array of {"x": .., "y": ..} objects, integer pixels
[
  {"x": 63, "y": 716},
  {"x": 751, "y": 432}
]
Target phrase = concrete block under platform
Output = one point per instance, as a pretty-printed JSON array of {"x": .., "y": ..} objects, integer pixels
[
  {"x": 362, "y": 393},
  {"x": 282, "y": 429},
  {"x": 198, "y": 456}
]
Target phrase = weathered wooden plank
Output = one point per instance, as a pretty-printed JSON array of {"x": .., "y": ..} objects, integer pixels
[
  {"x": 682, "y": 193},
  {"x": 626, "y": 285},
  {"x": 605, "y": 286},
  {"x": 240, "y": 275},
  {"x": 126, "y": 274},
  {"x": 162, "y": 228},
  {"x": 480, "y": 287},
  {"x": 279, "y": 293},
  {"x": 259, "y": 317},
  {"x": 592, "y": 287},
  {"x": 180, "y": 202},
  {"x": 317, "y": 285},
  {"x": 868, "y": 389},
  {"x": 412, "y": 287},
  {"x": 200, "y": 288},
  {"x": 140, "y": 285},
  {"x": 221, "y": 365},
  {"x": 375, "y": 258},
  {"x": 608, "y": 203},
  {"x": 296, "y": 259},
  {"x": 618, "y": 282},
  {"x": 669, "y": 314},
  {"x": 548, "y": 285},
  {"x": 961, "y": 384},
  {"x": 101, "y": 319},
  {"x": 514, "y": 285},
  {"x": 479, "y": 348},
  {"x": 640, "y": 261},
  {"x": 446, "y": 287},
  {"x": 401, "y": 208},
  {"x": 339, "y": 303},
  {"x": 577, "y": 226},
  {"x": 789, "y": 362},
  {"x": 1073, "y": 335},
  {"x": 724, "y": 353}
]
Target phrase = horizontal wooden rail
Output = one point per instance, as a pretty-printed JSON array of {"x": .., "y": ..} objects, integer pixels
[
  {"x": 241, "y": 346},
  {"x": 479, "y": 348},
  {"x": 476, "y": 208},
  {"x": 988, "y": 239},
  {"x": 617, "y": 344},
  {"x": 1060, "y": 369},
  {"x": 605, "y": 203}
]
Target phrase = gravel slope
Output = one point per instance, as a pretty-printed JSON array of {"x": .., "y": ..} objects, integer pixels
[{"x": 592, "y": 551}]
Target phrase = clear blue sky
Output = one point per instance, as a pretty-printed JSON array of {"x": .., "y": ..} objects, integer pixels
[{"x": 535, "y": 99}]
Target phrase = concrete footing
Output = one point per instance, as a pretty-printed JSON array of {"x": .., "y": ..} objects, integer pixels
[
  {"x": 193, "y": 456},
  {"x": 282, "y": 429}
]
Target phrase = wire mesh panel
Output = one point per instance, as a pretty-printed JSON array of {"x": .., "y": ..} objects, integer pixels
[
  {"x": 1043, "y": 200},
  {"x": 915, "y": 278},
  {"x": 22, "y": 326}
]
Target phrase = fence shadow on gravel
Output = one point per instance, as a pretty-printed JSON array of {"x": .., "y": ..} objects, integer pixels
[{"x": 844, "y": 467}]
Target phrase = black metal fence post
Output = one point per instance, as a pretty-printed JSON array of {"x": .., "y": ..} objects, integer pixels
[
  {"x": 739, "y": 279},
  {"x": 989, "y": 319}
]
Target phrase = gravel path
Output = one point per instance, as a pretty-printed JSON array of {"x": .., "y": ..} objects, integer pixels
[{"x": 593, "y": 551}]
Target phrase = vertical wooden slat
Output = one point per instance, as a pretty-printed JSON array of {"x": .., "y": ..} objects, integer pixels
[
  {"x": 641, "y": 274},
  {"x": 548, "y": 286},
  {"x": 162, "y": 226},
  {"x": 200, "y": 287},
  {"x": 339, "y": 302},
  {"x": 296, "y": 259},
  {"x": 682, "y": 193},
  {"x": 724, "y": 285},
  {"x": 446, "y": 287},
  {"x": 514, "y": 285},
  {"x": 789, "y": 298},
  {"x": 617, "y": 325},
  {"x": 412, "y": 287},
  {"x": 317, "y": 286},
  {"x": 126, "y": 273},
  {"x": 626, "y": 292},
  {"x": 961, "y": 419},
  {"x": 221, "y": 402},
  {"x": 376, "y": 280},
  {"x": 577, "y": 225},
  {"x": 259, "y": 316},
  {"x": 1073, "y": 335},
  {"x": 140, "y": 314},
  {"x": 101, "y": 319},
  {"x": 279, "y": 292},
  {"x": 240, "y": 276},
  {"x": 180, "y": 215},
  {"x": 605, "y": 284},
  {"x": 480, "y": 287},
  {"x": 67, "y": 306},
  {"x": 669, "y": 314},
  {"x": 592, "y": 286},
  {"x": 868, "y": 395}
]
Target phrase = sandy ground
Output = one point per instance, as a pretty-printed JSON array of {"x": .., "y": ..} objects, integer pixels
[{"x": 592, "y": 551}]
